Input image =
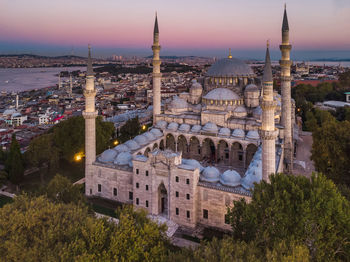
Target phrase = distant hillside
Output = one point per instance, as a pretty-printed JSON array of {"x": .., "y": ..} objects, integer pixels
[{"x": 43, "y": 57}]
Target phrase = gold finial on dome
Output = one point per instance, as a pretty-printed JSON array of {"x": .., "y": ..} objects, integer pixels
[{"x": 229, "y": 53}]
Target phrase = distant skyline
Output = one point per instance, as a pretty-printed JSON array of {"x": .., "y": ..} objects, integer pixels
[{"x": 319, "y": 29}]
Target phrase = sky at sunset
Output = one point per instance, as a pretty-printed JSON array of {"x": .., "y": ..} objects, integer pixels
[{"x": 187, "y": 27}]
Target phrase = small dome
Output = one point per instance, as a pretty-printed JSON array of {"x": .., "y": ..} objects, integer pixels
[
  {"x": 132, "y": 145},
  {"x": 141, "y": 140},
  {"x": 210, "y": 127},
  {"x": 123, "y": 158},
  {"x": 150, "y": 136},
  {"x": 173, "y": 126},
  {"x": 253, "y": 134},
  {"x": 230, "y": 178},
  {"x": 224, "y": 131},
  {"x": 251, "y": 88},
  {"x": 196, "y": 87},
  {"x": 221, "y": 94},
  {"x": 230, "y": 67},
  {"x": 122, "y": 148},
  {"x": 161, "y": 124},
  {"x": 238, "y": 133},
  {"x": 254, "y": 171},
  {"x": 178, "y": 103},
  {"x": 108, "y": 156},
  {"x": 210, "y": 174},
  {"x": 185, "y": 128},
  {"x": 257, "y": 112},
  {"x": 240, "y": 109},
  {"x": 196, "y": 129},
  {"x": 192, "y": 162},
  {"x": 156, "y": 132}
]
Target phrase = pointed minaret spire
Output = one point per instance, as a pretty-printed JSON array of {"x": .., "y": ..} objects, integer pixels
[
  {"x": 267, "y": 77},
  {"x": 285, "y": 26},
  {"x": 156, "y": 30},
  {"x": 89, "y": 71},
  {"x": 229, "y": 53},
  {"x": 157, "y": 76}
]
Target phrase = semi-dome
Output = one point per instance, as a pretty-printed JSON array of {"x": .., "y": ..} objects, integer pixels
[
  {"x": 210, "y": 174},
  {"x": 210, "y": 127},
  {"x": 253, "y": 134},
  {"x": 132, "y": 145},
  {"x": 141, "y": 140},
  {"x": 238, "y": 133},
  {"x": 173, "y": 126},
  {"x": 123, "y": 158},
  {"x": 257, "y": 112},
  {"x": 224, "y": 131},
  {"x": 230, "y": 178},
  {"x": 192, "y": 162},
  {"x": 156, "y": 132},
  {"x": 184, "y": 128},
  {"x": 178, "y": 103},
  {"x": 150, "y": 136},
  {"x": 122, "y": 148},
  {"x": 251, "y": 88},
  {"x": 161, "y": 124},
  {"x": 108, "y": 156},
  {"x": 196, "y": 128},
  {"x": 221, "y": 94},
  {"x": 230, "y": 67}
]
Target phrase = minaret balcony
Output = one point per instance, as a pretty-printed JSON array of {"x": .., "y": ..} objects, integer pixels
[
  {"x": 285, "y": 47},
  {"x": 90, "y": 115},
  {"x": 268, "y": 134},
  {"x": 285, "y": 63},
  {"x": 89, "y": 93},
  {"x": 156, "y": 48},
  {"x": 286, "y": 78},
  {"x": 268, "y": 105}
]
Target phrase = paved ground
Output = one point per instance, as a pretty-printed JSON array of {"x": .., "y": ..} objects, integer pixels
[{"x": 303, "y": 165}]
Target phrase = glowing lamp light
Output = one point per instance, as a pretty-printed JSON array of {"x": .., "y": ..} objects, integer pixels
[
  {"x": 78, "y": 157},
  {"x": 116, "y": 142},
  {"x": 144, "y": 127}
]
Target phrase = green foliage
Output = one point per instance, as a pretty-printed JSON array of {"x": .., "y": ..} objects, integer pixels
[
  {"x": 3, "y": 177},
  {"x": 14, "y": 163},
  {"x": 65, "y": 140},
  {"x": 61, "y": 190},
  {"x": 295, "y": 210},
  {"x": 130, "y": 129},
  {"x": 344, "y": 79},
  {"x": 331, "y": 150},
  {"x": 42, "y": 151},
  {"x": 40, "y": 230}
]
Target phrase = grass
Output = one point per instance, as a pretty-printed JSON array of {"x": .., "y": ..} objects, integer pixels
[
  {"x": 32, "y": 183},
  {"x": 4, "y": 200}
]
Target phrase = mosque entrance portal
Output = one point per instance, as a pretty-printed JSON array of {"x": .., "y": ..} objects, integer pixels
[{"x": 162, "y": 200}]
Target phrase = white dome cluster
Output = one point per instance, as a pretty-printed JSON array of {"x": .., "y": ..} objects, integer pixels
[
  {"x": 184, "y": 128},
  {"x": 239, "y": 133},
  {"x": 210, "y": 174},
  {"x": 132, "y": 145},
  {"x": 173, "y": 126},
  {"x": 161, "y": 124},
  {"x": 196, "y": 129},
  {"x": 230, "y": 178},
  {"x": 224, "y": 132},
  {"x": 156, "y": 132},
  {"x": 254, "y": 171},
  {"x": 178, "y": 103},
  {"x": 210, "y": 127},
  {"x": 108, "y": 156},
  {"x": 253, "y": 134}
]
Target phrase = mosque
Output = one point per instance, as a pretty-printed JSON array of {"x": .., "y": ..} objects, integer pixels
[{"x": 207, "y": 147}]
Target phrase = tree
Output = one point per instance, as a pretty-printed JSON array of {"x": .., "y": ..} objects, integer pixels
[
  {"x": 14, "y": 162},
  {"x": 331, "y": 150},
  {"x": 37, "y": 229},
  {"x": 130, "y": 129},
  {"x": 61, "y": 190},
  {"x": 295, "y": 209}
]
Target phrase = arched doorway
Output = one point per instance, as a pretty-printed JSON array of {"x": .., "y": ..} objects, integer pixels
[
  {"x": 208, "y": 151},
  {"x": 147, "y": 151},
  {"x": 195, "y": 149},
  {"x": 223, "y": 153},
  {"x": 251, "y": 149},
  {"x": 237, "y": 155},
  {"x": 162, "y": 200},
  {"x": 182, "y": 145},
  {"x": 170, "y": 142},
  {"x": 155, "y": 146},
  {"x": 161, "y": 145}
]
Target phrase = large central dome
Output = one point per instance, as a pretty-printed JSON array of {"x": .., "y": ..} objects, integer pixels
[{"x": 230, "y": 67}]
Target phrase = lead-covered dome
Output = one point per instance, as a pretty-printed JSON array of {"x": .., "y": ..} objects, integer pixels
[
  {"x": 150, "y": 136},
  {"x": 108, "y": 156},
  {"x": 224, "y": 131},
  {"x": 252, "y": 134},
  {"x": 238, "y": 133},
  {"x": 122, "y": 148},
  {"x": 230, "y": 178},
  {"x": 173, "y": 126},
  {"x": 210, "y": 174},
  {"x": 123, "y": 158},
  {"x": 221, "y": 94},
  {"x": 156, "y": 132},
  {"x": 210, "y": 127},
  {"x": 132, "y": 145},
  {"x": 141, "y": 140},
  {"x": 230, "y": 67},
  {"x": 184, "y": 128},
  {"x": 196, "y": 128},
  {"x": 161, "y": 124},
  {"x": 178, "y": 103}
]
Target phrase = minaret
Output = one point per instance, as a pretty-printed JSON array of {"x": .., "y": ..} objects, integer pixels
[
  {"x": 16, "y": 102},
  {"x": 268, "y": 132},
  {"x": 70, "y": 84},
  {"x": 59, "y": 81},
  {"x": 156, "y": 72},
  {"x": 90, "y": 115},
  {"x": 286, "y": 63},
  {"x": 229, "y": 53}
]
